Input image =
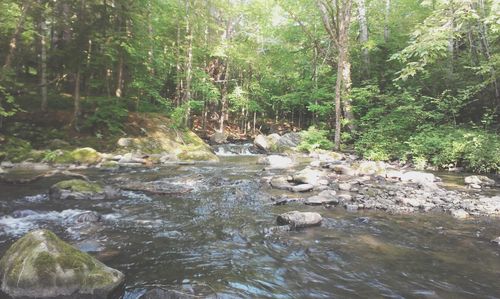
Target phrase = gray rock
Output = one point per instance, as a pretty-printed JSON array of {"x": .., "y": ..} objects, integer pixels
[
  {"x": 459, "y": 214},
  {"x": 289, "y": 140},
  {"x": 81, "y": 190},
  {"x": 345, "y": 186},
  {"x": 131, "y": 158},
  {"x": 52, "y": 268},
  {"x": 296, "y": 219},
  {"x": 280, "y": 182},
  {"x": 308, "y": 176},
  {"x": 86, "y": 217},
  {"x": 496, "y": 241},
  {"x": 480, "y": 180},
  {"x": 218, "y": 138},
  {"x": 260, "y": 142},
  {"x": 23, "y": 213},
  {"x": 302, "y": 188}
]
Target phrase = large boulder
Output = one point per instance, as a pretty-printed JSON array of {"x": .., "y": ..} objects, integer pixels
[
  {"x": 289, "y": 140},
  {"x": 86, "y": 156},
  {"x": 40, "y": 265},
  {"x": 81, "y": 190},
  {"x": 296, "y": 219},
  {"x": 260, "y": 142},
  {"x": 159, "y": 138}
]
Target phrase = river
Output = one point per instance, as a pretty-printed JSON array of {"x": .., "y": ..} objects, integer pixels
[{"x": 214, "y": 239}]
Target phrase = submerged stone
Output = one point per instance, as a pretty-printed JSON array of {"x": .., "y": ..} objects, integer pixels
[
  {"x": 296, "y": 219},
  {"x": 40, "y": 265}
]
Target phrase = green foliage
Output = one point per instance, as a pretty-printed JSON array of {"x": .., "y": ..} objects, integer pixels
[
  {"x": 313, "y": 139},
  {"x": 109, "y": 113},
  {"x": 475, "y": 150}
]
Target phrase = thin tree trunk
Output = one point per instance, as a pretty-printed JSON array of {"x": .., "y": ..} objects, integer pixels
[
  {"x": 386, "y": 20},
  {"x": 363, "y": 36},
  {"x": 119, "y": 80},
  {"x": 178, "y": 85},
  {"x": 43, "y": 64},
  {"x": 15, "y": 35},
  {"x": 223, "y": 115},
  {"x": 189, "y": 66},
  {"x": 338, "y": 95},
  {"x": 76, "y": 96}
]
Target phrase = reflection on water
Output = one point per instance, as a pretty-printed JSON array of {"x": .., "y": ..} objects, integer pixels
[{"x": 213, "y": 241}]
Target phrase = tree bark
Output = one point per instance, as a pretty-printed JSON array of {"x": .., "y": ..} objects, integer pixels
[
  {"x": 189, "y": 66},
  {"x": 363, "y": 36},
  {"x": 119, "y": 80},
  {"x": 224, "y": 104},
  {"x": 386, "y": 20},
  {"x": 43, "y": 64},
  {"x": 76, "y": 96}
]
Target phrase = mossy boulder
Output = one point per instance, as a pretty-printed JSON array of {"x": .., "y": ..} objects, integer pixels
[
  {"x": 40, "y": 265},
  {"x": 160, "y": 139},
  {"x": 82, "y": 190},
  {"x": 86, "y": 156}
]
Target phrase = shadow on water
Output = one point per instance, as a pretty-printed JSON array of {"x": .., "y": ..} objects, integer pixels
[{"x": 212, "y": 240}]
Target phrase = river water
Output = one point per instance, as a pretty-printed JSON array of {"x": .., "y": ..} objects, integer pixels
[{"x": 214, "y": 239}]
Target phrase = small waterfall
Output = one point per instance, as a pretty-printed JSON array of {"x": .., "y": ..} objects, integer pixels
[{"x": 245, "y": 149}]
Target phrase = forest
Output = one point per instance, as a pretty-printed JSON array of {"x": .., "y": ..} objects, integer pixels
[{"x": 409, "y": 81}]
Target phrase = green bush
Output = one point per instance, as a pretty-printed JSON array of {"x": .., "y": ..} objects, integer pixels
[
  {"x": 446, "y": 146},
  {"x": 314, "y": 139},
  {"x": 109, "y": 114}
]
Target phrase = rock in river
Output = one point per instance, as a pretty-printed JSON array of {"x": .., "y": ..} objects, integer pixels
[
  {"x": 40, "y": 265},
  {"x": 296, "y": 219},
  {"x": 82, "y": 190}
]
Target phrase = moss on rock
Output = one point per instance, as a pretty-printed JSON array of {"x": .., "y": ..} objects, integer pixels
[
  {"x": 40, "y": 265},
  {"x": 77, "y": 185}
]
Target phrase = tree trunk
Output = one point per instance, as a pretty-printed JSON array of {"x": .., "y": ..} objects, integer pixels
[
  {"x": 224, "y": 104},
  {"x": 386, "y": 20},
  {"x": 76, "y": 96},
  {"x": 43, "y": 64},
  {"x": 119, "y": 80},
  {"x": 17, "y": 31},
  {"x": 189, "y": 66},
  {"x": 363, "y": 36},
  {"x": 338, "y": 95}
]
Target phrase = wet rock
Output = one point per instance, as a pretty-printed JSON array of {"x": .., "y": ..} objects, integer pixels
[
  {"x": 166, "y": 294},
  {"x": 302, "y": 188},
  {"x": 280, "y": 182},
  {"x": 218, "y": 138},
  {"x": 86, "y": 217},
  {"x": 459, "y": 214},
  {"x": 296, "y": 219},
  {"x": 276, "y": 162},
  {"x": 324, "y": 197},
  {"x": 40, "y": 265},
  {"x": 81, "y": 190},
  {"x": 2, "y": 171},
  {"x": 23, "y": 213},
  {"x": 7, "y": 164},
  {"x": 478, "y": 180},
  {"x": 496, "y": 241}
]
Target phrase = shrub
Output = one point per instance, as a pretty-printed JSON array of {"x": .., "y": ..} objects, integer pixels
[{"x": 314, "y": 139}]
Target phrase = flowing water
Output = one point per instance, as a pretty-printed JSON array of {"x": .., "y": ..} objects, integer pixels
[{"x": 214, "y": 239}]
